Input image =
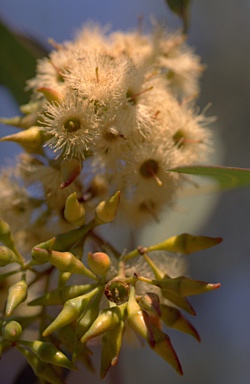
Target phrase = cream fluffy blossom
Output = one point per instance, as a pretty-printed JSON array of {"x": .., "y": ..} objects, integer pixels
[{"x": 115, "y": 104}]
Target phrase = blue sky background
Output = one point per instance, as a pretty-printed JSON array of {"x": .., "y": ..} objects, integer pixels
[{"x": 220, "y": 33}]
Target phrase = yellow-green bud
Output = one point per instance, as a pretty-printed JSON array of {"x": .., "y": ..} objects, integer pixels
[
  {"x": 7, "y": 256},
  {"x": 111, "y": 346},
  {"x": 48, "y": 353},
  {"x": 186, "y": 244},
  {"x": 38, "y": 257},
  {"x": 16, "y": 295},
  {"x": 12, "y": 330},
  {"x": 74, "y": 212},
  {"x": 64, "y": 261},
  {"x": 30, "y": 139},
  {"x": 106, "y": 210},
  {"x": 108, "y": 319},
  {"x": 183, "y": 286},
  {"x": 43, "y": 371},
  {"x": 60, "y": 296},
  {"x": 99, "y": 262},
  {"x": 5, "y": 235},
  {"x": 72, "y": 309}
]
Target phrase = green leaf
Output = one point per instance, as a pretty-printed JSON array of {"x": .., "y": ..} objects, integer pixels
[
  {"x": 181, "y": 9},
  {"x": 18, "y": 61},
  {"x": 228, "y": 177}
]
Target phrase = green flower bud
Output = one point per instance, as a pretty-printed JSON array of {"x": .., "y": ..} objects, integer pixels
[
  {"x": 99, "y": 262},
  {"x": 72, "y": 309},
  {"x": 48, "y": 353},
  {"x": 117, "y": 291},
  {"x": 60, "y": 296},
  {"x": 30, "y": 139},
  {"x": 38, "y": 257},
  {"x": 12, "y": 330},
  {"x": 137, "y": 317},
  {"x": 5, "y": 235},
  {"x": 64, "y": 261},
  {"x": 179, "y": 301},
  {"x": 74, "y": 212},
  {"x": 111, "y": 346},
  {"x": 106, "y": 210},
  {"x": 163, "y": 347},
  {"x": 16, "y": 295},
  {"x": 106, "y": 321},
  {"x": 7, "y": 256},
  {"x": 88, "y": 316},
  {"x": 173, "y": 318},
  {"x": 43, "y": 371},
  {"x": 183, "y": 286},
  {"x": 186, "y": 244}
]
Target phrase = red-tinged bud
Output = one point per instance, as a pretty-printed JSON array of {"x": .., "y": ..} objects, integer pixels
[
  {"x": 183, "y": 286},
  {"x": 51, "y": 95},
  {"x": 70, "y": 169},
  {"x": 99, "y": 262},
  {"x": 106, "y": 210},
  {"x": 173, "y": 318},
  {"x": 163, "y": 347},
  {"x": 71, "y": 311},
  {"x": 48, "y": 353},
  {"x": 11, "y": 330},
  {"x": 16, "y": 295},
  {"x": 150, "y": 302}
]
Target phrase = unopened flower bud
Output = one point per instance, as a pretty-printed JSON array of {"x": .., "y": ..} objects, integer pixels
[
  {"x": 70, "y": 169},
  {"x": 111, "y": 346},
  {"x": 99, "y": 262},
  {"x": 12, "y": 330},
  {"x": 16, "y": 295},
  {"x": 5, "y": 234},
  {"x": 30, "y": 139},
  {"x": 173, "y": 318},
  {"x": 64, "y": 261},
  {"x": 48, "y": 353},
  {"x": 106, "y": 320},
  {"x": 50, "y": 94},
  {"x": 72, "y": 309},
  {"x": 74, "y": 212},
  {"x": 7, "y": 256},
  {"x": 106, "y": 210},
  {"x": 186, "y": 244},
  {"x": 183, "y": 286}
]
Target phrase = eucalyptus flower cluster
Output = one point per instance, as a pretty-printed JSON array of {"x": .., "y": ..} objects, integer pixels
[{"x": 110, "y": 116}]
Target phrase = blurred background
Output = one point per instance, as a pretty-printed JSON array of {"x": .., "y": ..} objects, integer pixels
[{"x": 220, "y": 34}]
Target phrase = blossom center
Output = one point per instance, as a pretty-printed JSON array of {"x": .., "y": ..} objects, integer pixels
[{"x": 72, "y": 124}]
